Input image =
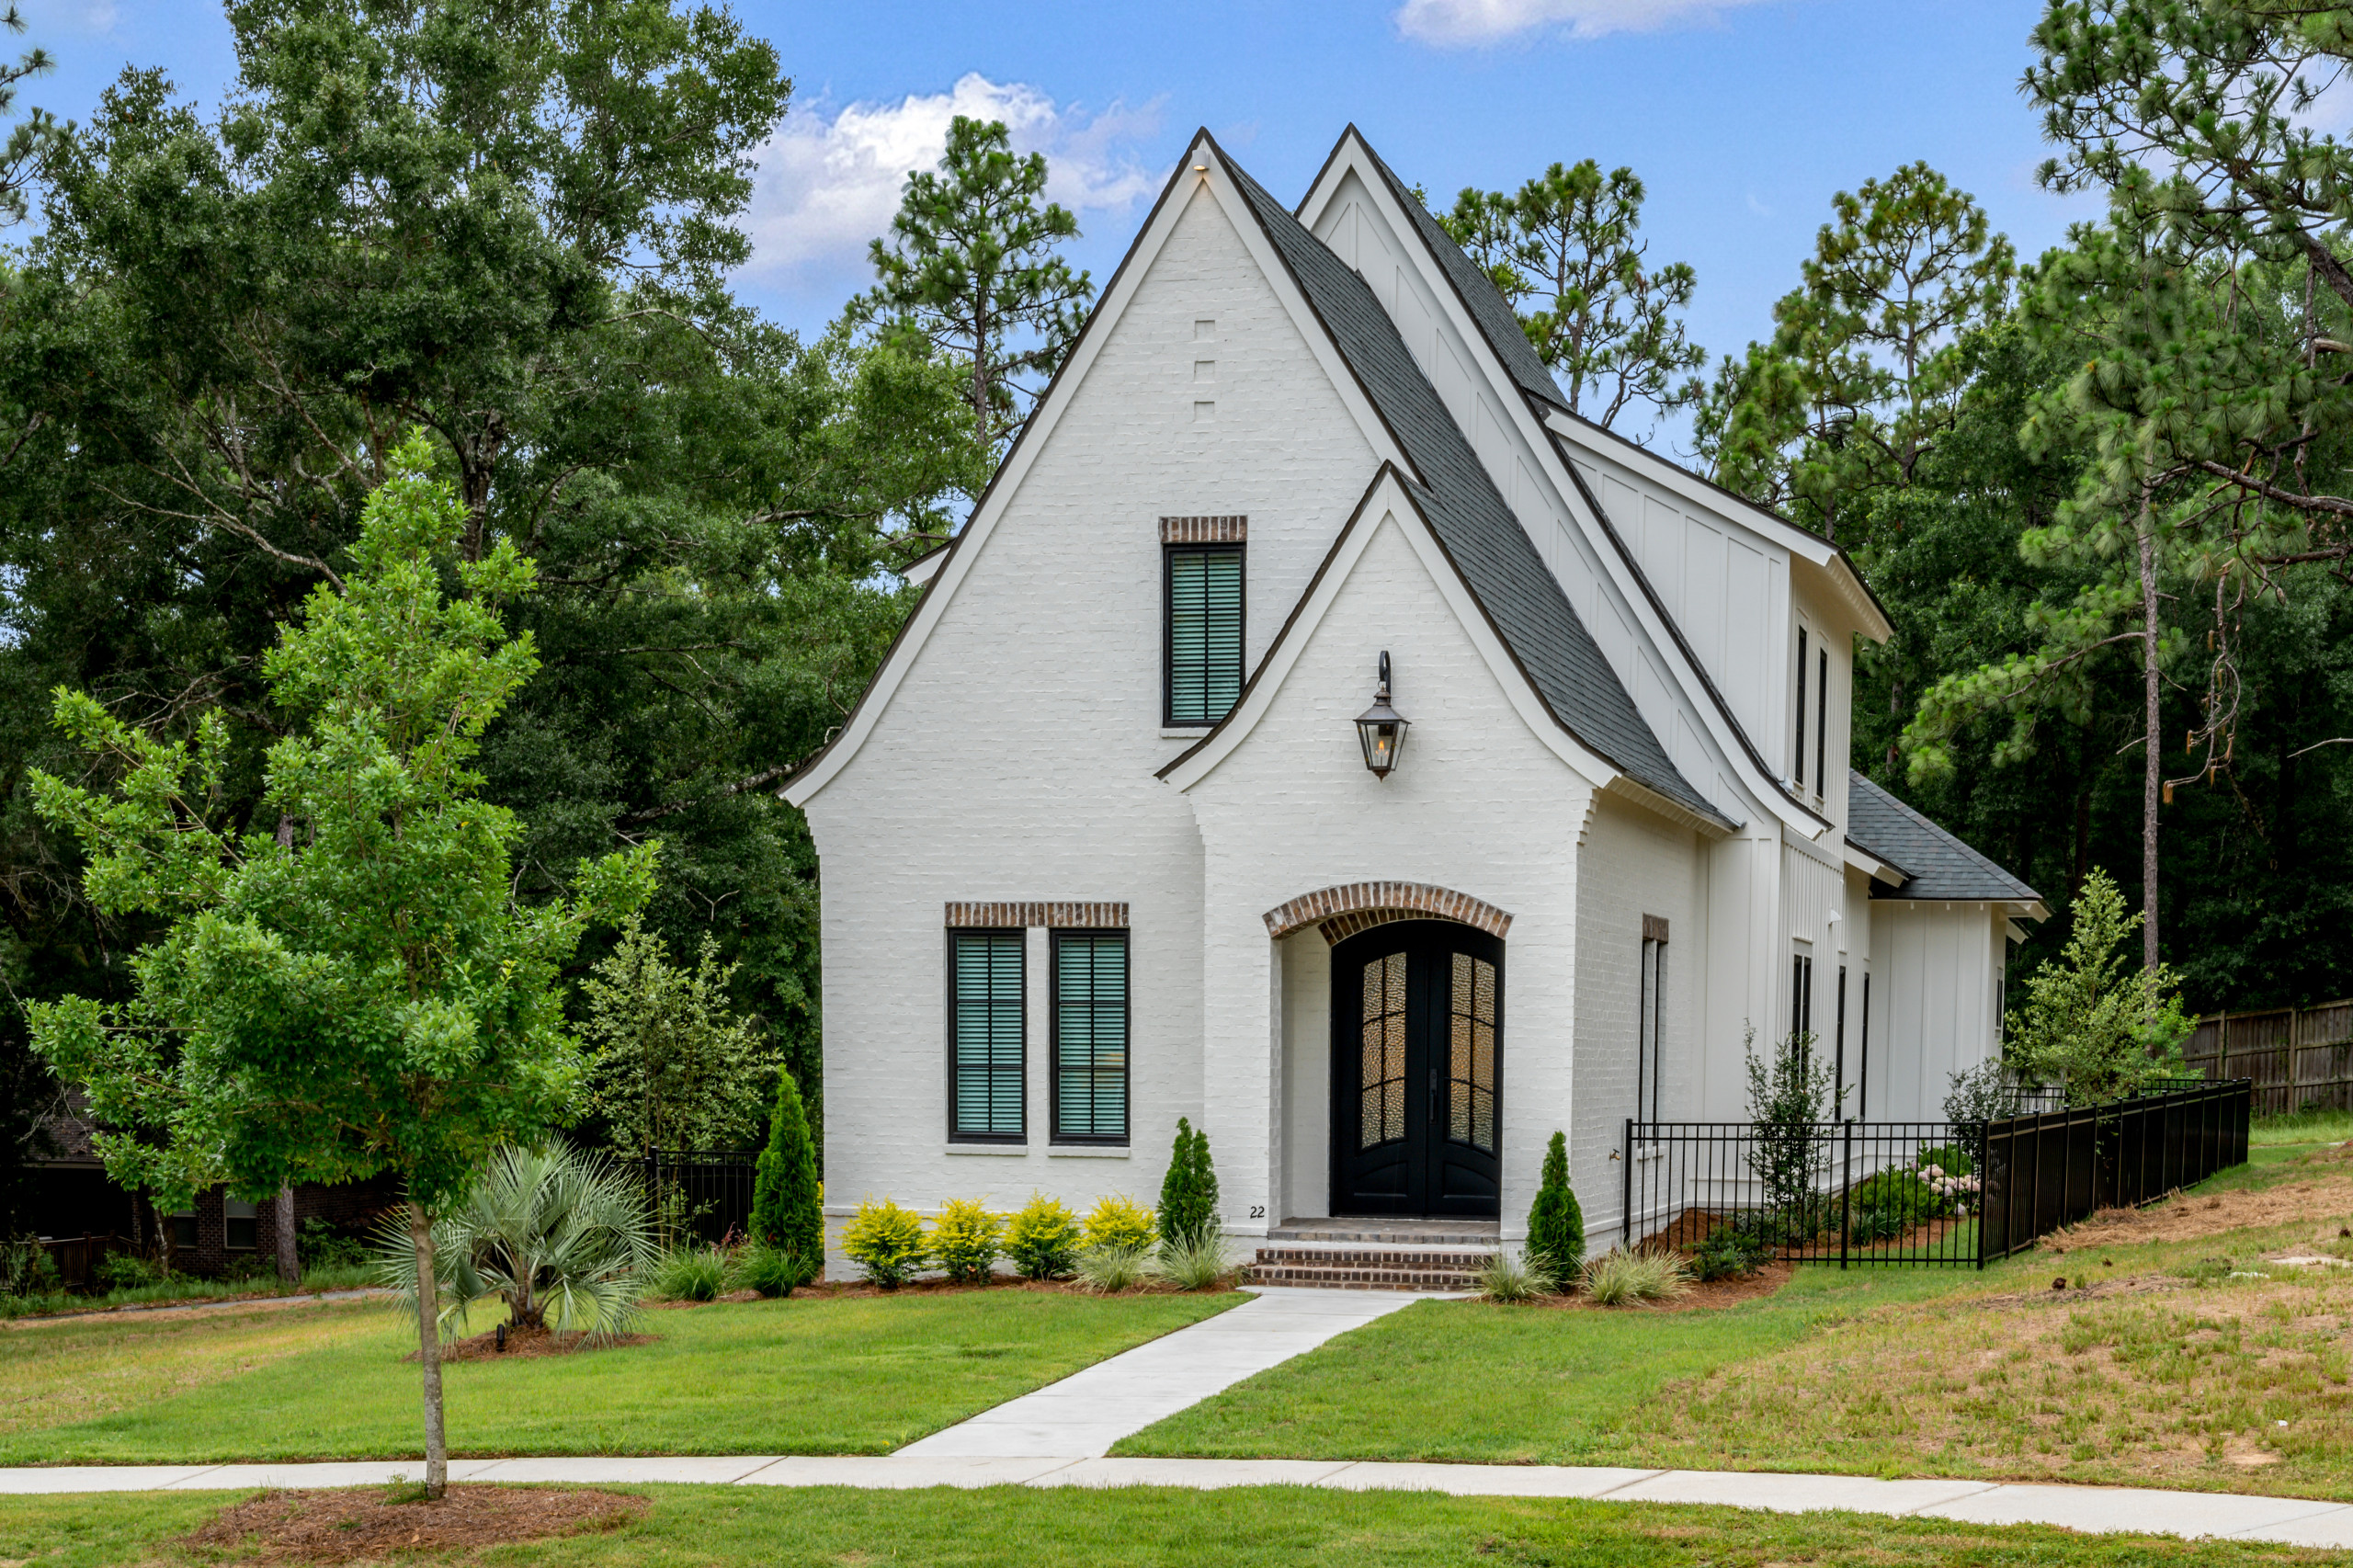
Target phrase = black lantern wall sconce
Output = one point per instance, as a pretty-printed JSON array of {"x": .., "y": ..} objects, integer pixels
[{"x": 1380, "y": 729}]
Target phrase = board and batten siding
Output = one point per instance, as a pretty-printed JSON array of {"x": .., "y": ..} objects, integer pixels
[
  {"x": 1055, "y": 636},
  {"x": 1934, "y": 968}
]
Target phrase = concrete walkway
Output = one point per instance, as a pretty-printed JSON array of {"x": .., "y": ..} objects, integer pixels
[
  {"x": 2288, "y": 1520},
  {"x": 1084, "y": 1415}
]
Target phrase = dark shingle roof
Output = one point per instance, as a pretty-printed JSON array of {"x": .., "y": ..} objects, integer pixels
[
  {"x": 1470, "y": 515},
  {"x": 1496, "y": 322},
  {"x": 1940, "y": 865}
]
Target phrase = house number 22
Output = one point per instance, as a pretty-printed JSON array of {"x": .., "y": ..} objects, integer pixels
[{"x": 1258, "y": 1212}]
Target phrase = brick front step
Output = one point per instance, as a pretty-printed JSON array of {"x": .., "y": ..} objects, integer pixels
[{"x": 1367, "y": 1268}]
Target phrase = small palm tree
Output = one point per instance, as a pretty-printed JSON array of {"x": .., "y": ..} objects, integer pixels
[{"x": 547, "y": 1229}]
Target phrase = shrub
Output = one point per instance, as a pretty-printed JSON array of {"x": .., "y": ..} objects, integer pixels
[
  {"x": 25, "y": 1268},
  {"x": 1987, "y": 1092},
  {"x": 1199, "y": 1264},
  {"x": 773, "y": 1271},
  {"x": 1515, "y": 1277},
  {"x": 788, "y": 1207},
  {"x": 1189, "y": 1192},
  {"x": 320, "y": 1245},
  {"x": 1117, "y": 1220},
  {"x": 690, "y": 1273},
  {"x": 2094, "y": 1019},
  {"x": 552, "y": 1229},
  {"x": 1785, "y": 1099},
  {"x": 1951, "y": 1159},
  {"x": 886, "y": 1241},
  {"x": 1042, "y": 1239},
  {"x": 123, "y": 1271},
  {"x": 1729, "y": 1251},
  {"x": 966, "y": 1240},
  {"x": 1114, "y": 1266},
  {"x": 1555, "y": 1224},
  {"x": 1900, "y": 1194},
  {"x": 1620, "y": 1279}
]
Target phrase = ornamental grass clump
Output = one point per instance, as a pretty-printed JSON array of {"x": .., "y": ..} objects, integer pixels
[
  {"x": 1117, "y": 1220},
  {"x": 773, "y": 1271},
  {"x": 1514, "y": 1277},
  {"x": 691, "y": 1274},
  {"x": 1623, "y": 1279},
  {"x": 1115, "y": 1267},
  {"x": 1199, "y": 1263},
  {"x": 1041, "y": 1239},
  {"x": 887, "y": 1242},
  {"x": 966, "y": 1241}
]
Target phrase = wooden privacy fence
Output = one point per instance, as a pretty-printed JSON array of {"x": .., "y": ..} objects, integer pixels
[{"x": 2296, "y": 1056}]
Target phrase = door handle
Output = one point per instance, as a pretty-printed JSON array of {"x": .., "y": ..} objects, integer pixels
[{"x": 1437, "y": 1113}]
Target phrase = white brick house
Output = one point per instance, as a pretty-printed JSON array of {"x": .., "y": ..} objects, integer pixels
[{"x": 1101, "y": 846}]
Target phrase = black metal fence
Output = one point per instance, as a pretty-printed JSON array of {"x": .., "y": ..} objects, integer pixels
[
  {"x": 1919, "y": 1193},
  {"x": 2045, "y": 1171},
  {"x": 699, "y": 1195}
]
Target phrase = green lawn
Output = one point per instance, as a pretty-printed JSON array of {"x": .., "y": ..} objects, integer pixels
[
  {"x": 1153, "y": 1527},
  {"x": 2186, "y": 1362},
  {"x": 808, "y": 1375}
]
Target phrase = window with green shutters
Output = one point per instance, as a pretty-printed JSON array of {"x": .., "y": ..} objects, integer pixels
[
  {"x": 986, "y": 1036},
  {"x": 1090, "y": 1045},
  {"x": 1204, "y": 633}
]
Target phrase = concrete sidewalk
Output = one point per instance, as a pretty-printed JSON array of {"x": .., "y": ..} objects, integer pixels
[{"x": 2288, "y": 1520}]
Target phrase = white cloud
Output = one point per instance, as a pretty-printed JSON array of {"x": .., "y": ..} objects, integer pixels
[
  {"x": 1460, "y": 23},
  {"x": 827, "y": 185}
]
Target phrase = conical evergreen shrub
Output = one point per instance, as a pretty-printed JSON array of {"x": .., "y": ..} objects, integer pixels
[
  {"x": 787, "y": 1210},
  {"x": 1189, "y": 1192},
  {"x": 1555, "y": 1224}
]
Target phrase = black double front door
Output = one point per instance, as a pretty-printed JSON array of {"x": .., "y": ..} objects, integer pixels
[{"x": 1418, "y": 1010}]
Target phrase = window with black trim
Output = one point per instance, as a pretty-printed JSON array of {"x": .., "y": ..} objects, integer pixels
[
  {"x": 1090, "y": 1037},
  {"x": 986, "y": 1036},
  {"x": 1797, "y": 763},
  {"x": 1202, "y": 650},
  {"x": 1822, "y": 727},
  {"x": 1802, "y": 997},
  {"x": 240, "y": 1220}
]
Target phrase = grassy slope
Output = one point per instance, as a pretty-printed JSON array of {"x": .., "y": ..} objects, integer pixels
[
  {"x": 1153, "y": 1527},
  {"x": 809, "y": 1376},
  {"x": 2179, "y": 1380}
]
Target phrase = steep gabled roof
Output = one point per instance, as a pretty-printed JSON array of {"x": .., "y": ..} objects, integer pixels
[
  {"x": 1474, "y": 524},
  {"x": 1940, "y": 865}
]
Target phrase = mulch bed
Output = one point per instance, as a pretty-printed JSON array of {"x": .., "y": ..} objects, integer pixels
[
  {"x": 1703, "y": 1295},
  {"x": 850, "y": 1289},
  {"x": 530, "y": 1341},
  {"x": 349, "y": 1526}
]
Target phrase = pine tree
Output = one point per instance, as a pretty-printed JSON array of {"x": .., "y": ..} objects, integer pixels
[
  {"x": 786, "y": 1210},
  {"x": 1555, "y": 1224}
]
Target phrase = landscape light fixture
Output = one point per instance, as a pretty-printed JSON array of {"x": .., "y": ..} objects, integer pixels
[{"x": 1380, "y": 729}]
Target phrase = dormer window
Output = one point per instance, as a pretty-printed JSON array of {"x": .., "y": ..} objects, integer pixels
[{"x": 1201, "y": 647}]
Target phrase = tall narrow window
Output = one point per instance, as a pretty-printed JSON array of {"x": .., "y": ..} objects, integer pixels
[
  {"x": 1802, "y": 995},
  {"x": 240, "y": 1226},
  {"x": 1864, "y": 1054},
  {"x": 1796, "y": 762},
  {"x": 1822, "y": 728},
  {"x": 1838, "y": 1061},
  {"x": 1204, "y": 633},
  {"x": 1647, "y": 1070},
  {"x": 1090, "y": 1065},
  {"x": 986, "y": 1036}
]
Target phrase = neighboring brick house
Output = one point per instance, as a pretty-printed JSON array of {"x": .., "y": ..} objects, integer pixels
[
  {"x": 74, "y": 1197},
  {"x": 1294, "y": 455}
]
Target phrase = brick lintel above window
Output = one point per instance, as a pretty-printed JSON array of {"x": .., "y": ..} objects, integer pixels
[
  {"x": 1059, "y": 914},
  {"x": 1205, "y": 530}
]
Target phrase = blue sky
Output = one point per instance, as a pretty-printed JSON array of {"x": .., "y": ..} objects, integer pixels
[{"x": 1742, "y": 118}]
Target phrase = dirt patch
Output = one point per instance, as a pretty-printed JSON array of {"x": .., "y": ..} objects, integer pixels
[
  {"x": 525, "y": 1343},
  {"x": 349, "y": 1526},
  {"x": 2179, "y": 1219},
  {"x": 184, "y": 1308}
]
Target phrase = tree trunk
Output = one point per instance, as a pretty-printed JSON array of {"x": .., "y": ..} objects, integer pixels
[
  {"x": 290, "y": 1263},
  {"x": 2153, "y": 751},
  {"x": 428, "y": 1352}
]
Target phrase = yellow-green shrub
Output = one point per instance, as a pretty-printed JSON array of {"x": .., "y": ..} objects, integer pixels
[
  {"x": 966, "y": 1239},
  {"x": 886, "y": 1241},
  {"x": 1118, "y": 1221},
  {"x": 1042, "y": 1238}
]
